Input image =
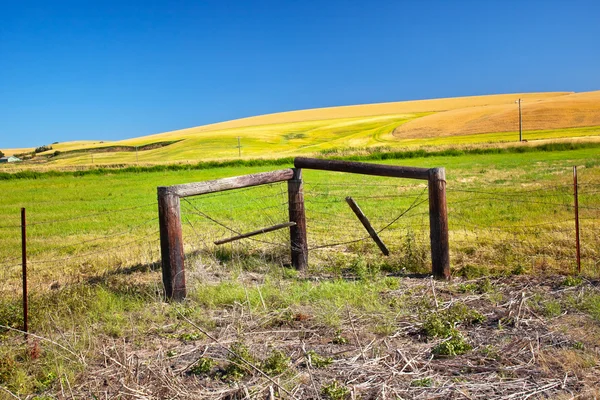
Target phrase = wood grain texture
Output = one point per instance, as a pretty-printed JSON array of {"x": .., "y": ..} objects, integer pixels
[
  {"x": 236, "y": 182},
  {"x": 438, "y": 224},
  {"x": 362, "y": 168},
  {"x": 256, "y": 232},
  {"x": 367, "y": 224},
  {"x": 298, "y": 238},
  {"x": 171, "y": 245}
]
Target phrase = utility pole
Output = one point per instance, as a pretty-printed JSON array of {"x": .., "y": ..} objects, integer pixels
[
  {"x": 520, "y": 121},
  {"x": 239, "y": 146},
  {"x": 136, "y": 154}
]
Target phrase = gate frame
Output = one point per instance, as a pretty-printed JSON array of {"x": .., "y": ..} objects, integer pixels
[{"x": 169, "y": 213}]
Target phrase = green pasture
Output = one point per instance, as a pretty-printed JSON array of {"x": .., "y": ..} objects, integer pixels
[
  {"x": 94, "y": 279},
  {"x": 83, "y": 226}
]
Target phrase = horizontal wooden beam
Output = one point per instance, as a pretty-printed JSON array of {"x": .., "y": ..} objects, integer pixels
[
  {"x": 236, "y": 182},
  {"x": 362, "y": 168},
  {"x": 258, "y": 232}
]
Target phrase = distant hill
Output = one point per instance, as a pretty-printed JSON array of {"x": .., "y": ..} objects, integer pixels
[{"x": 461, "y": 120}]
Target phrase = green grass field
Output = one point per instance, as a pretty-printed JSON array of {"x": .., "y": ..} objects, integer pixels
[
  {"x": 96, "y": 302},
  {"x": 113, "y": 209}
]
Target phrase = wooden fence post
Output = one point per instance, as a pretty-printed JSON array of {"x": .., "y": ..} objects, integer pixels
[
  {"x": 299, "y": 244},
  {"x": 171, "y": 244},
  {"x": 438, "y": 223}
]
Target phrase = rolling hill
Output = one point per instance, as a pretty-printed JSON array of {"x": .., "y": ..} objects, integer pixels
[{"x": 450, "y": 121}]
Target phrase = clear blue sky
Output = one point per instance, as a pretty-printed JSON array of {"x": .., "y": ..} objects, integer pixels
[{"x": 109, "y": 70}]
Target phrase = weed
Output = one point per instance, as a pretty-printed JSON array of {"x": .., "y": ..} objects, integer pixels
[
  {"x": 335, "y": 391},
  {"x": 482, "y": 286},
  {"x": 7, "y": 368},
  {"x": 454, "y": 346},
  {"x": 190, "y": 337},
  {"x": 414, "y": 255},
  {"x": 551, "y": 308},
  {"x": 571, "y": 281},
  {"x": 423, "y": 382},
  {"x": 237, "y": 367},
  {"x": 490, "y": 351},
  {"x": 518, "y": 269},
  {"x": 578, "y": 346},
  {"x": 276, "y": 364},
  {"x": 338, "y": 338},
  {"x": 203, "y": 366},
  {"x": 171, "y": 353},
  {"x": 318, "y": 361},
  {"x": 471, "y": 271},
  {"x": 442, "y": 323}
]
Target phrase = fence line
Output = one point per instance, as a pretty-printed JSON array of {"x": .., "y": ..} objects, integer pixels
[{"x": 55, "y": 221}]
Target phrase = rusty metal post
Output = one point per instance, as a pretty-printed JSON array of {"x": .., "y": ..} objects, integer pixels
[
  {"x": 438, "y": 224},
  {"x": 298, "y": 241},
  {"x": 24, "y": 263},
  {"x": 171, "y": 245},
  {"x": 576, "y": 219}
]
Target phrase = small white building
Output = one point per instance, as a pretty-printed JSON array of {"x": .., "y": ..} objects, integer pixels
[{"x": 9, "y": 159}]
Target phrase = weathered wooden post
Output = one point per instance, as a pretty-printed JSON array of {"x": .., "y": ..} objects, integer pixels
[
  {"x": 298, "y": 242},
  {"x": 438, "y": 223},
  {"x": 171, "y": 244}
]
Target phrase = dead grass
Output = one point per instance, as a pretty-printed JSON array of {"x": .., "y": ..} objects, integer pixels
[
  {"x": 517, "y": 352},
  {"x": 566, "y": 111}
]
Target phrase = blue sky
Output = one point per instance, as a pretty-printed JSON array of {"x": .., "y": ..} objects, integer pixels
[{"x": 108, "y": 70}]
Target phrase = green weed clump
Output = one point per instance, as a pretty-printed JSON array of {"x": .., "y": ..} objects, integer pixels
[
  {"x": 454, "y": 346},
  {"x": 238, "y": 359},
  {"x": 571, "y": 281},
  {"x": 424, "y": 382},
  {"x": 318, "y": 361},
  {"x": 482, "y": 286},
  {"x": 339, "y": 338},
  {"x": 335, "y": 391},
  {"x": 548, "y": 307},
  {"x": 276, "y": 364},
  {"x": 442, "y": 324},
  {"x": 203, "y": 366}
]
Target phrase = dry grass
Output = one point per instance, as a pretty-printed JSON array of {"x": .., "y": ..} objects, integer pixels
[
  {"x": 450, "y": 116},
  {"x": 517, "y": 352},
  {"x": 566, "y": 111},
  {"x": 364, "y": 110}
]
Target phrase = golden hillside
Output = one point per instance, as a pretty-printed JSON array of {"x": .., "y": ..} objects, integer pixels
[{"x": 556, "y": 112}]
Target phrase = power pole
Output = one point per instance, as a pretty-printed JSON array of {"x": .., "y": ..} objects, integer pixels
[
  {"x": 136, "y": 155},
  {"x": 239, "y": 147},
  {"x": 520, "y": 121}
]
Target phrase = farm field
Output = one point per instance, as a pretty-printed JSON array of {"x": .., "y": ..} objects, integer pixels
[
  {"x": 356, "y": 324},
  {"x": 465, "y": 121}
]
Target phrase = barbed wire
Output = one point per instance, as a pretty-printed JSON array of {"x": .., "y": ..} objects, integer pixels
[
  {"x": 237, "y": 232},
  {"x": 104, "y": 250},
  {"x": 413, "y": 205},
  {"x": 29, "y": 224}
]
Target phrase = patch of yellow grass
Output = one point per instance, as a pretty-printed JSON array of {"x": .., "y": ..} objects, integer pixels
[
  {"x": 566, "y": 111},
  {"x": 449, "y": 121},
  {"x": 12, "y": 152},
  {"x": 363, "y": 110}
]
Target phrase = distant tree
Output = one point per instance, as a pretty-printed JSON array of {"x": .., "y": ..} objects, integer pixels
[
  {"x": 43, "y": 148},
  {"x": 1, "y": 153}
]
